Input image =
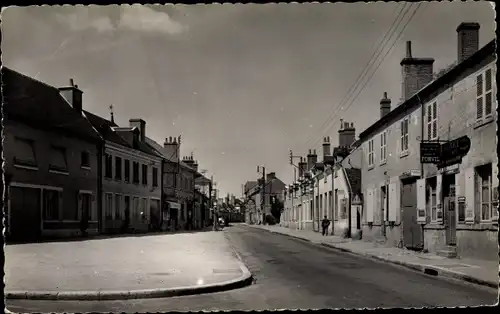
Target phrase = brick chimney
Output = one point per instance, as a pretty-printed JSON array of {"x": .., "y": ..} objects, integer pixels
[
  {"x": 347, "y": 134},
  {"x": 468, "y": 40},
  {"x": 326, "y": 147},
  {"x": 73, "y": 95},
  {"x": 312, "y": 158},
  {"x": 416, "y": 72},
  {"x": 189, "y": 160},
  {"x": 171, "y": 148},
  {"x": 385, "y": 105},
  {"x": 302, "y": 167},
  {"x": 141, "y": 125}
]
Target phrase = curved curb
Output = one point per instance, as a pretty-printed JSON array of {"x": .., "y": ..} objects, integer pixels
[
  {"x": 244, "y": 280},
  {"x": 426, "y": 269}
]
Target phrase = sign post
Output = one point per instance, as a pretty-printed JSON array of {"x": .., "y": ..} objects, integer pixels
[{"x": 446, "y": 154}]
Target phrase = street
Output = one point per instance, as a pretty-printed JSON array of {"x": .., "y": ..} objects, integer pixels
[{"x": 289, "y": 273}]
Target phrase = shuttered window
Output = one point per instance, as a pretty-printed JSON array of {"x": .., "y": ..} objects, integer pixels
[
  {"x": 371, "y": 156},
  {"x": 404, "y": 135},
  {"x": 431, "y": 198},
  {"x": 383, "y": 147},
  {"x": 484, "y": 94},
  {"x": 432, "y": 121}
]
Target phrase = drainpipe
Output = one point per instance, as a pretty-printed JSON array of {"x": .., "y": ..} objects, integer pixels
[
  {"x": 318, "y": 205},
  {"x": 349, "y": 202},
  {"x": 332, "y": 201},
  {"x": 422, "y": 119}
]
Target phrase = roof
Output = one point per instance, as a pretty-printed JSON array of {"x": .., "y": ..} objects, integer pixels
[
  {"x": 159, "y": 149},
  {"x": 354, "y": 178},
  {"x": 104, "y": 127},
  {"x": 454, "y": 75},
  {"x": 42, "y": 106}
]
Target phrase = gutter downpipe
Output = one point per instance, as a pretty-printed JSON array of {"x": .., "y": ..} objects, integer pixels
[
  {"x": 422, "y": 117},
  {"x": 332, "y": 201},
  {"x": 349, "y": 223}
]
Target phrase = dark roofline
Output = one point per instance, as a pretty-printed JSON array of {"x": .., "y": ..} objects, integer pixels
[{"x": 450, "y": 77}]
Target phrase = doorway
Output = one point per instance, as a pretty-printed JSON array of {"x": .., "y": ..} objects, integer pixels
[
  {"x": 25, "y": 213},
  {"x": 412, "y": 231},
  {"x": 449, "y": 198}
]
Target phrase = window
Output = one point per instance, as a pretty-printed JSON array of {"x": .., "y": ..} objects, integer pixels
[
  {"x": 370, "y": 153},
  {"x": 135, "y": 172},
  {"x": 126, "y": 200},
  {"x": 118, "y": 168},
  {"x": 431, "y": 198},
  {"x": 51, "y": 204},
  {"x": 136, "y": 210},
  {"x": 25, "y": 152},
  {"x": 145, "y": 174},
  {"x": 484, "y": 94},
  {"x": 108, "y": 164},
  {"x": 108, "y": 206},
  {"x": 86, "y": 204},
  {"x": 143, "y": 209},
  {"x": 58, "y": 160},
  {"x": 85, "y": 159},
  {"x": 343, "y": 208},
  {"x": 432, "y": 121},
  {"x": 155, "y": 177},
  {"x": 404, "y": 135},
  {"x": 484, "y": 192},
  {"x": 118, "y": 204},
  {"x": 383, "y": 147},
  {"x": 127, "y": 170}
]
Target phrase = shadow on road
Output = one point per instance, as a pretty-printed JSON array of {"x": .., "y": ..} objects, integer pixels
[{"x": 107, "y": 236}]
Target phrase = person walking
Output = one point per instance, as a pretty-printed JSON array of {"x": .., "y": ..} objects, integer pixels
[{"x": 325, "y": 223}]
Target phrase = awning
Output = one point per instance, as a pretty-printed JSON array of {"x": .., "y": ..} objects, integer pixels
[{"x": 174, "y": 205}]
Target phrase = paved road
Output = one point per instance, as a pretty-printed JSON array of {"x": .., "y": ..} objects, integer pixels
[{"x": 293, "y": 274}]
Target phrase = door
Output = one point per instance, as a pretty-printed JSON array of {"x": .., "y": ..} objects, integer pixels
[
  {"x": 25, "y": 213},
  {"x": 412, "y": 232}
]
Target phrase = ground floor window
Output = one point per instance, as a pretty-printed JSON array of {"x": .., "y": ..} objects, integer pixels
[
  {"x": 108, "y": 206},
  {"x": 118, "y": 205},
  {"x": 136, "y": 212},
  {"x": 431, "y": 198},
  {"x": 51, "y": 204},
  {"x": 484, "y": 192},
  {"x": 85, "y": 210}
]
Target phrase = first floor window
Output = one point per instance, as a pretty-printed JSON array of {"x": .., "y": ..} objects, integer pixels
[
  {"x": 145, "y": 174},
  {"x": 155, "y": 177},
  {"x": 51, "y": 204},
  {"x": 108, "y": 164}
]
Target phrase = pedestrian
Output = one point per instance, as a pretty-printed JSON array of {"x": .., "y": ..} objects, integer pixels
[{"x": 325, "y": 223}]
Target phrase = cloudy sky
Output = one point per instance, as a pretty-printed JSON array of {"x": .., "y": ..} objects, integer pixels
[{"x": 243, "y": 84}]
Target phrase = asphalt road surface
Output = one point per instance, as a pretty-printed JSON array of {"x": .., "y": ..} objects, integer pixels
[{"x": 292, "y": 274}]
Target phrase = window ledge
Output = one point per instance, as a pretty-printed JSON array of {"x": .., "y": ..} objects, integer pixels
[
  {"x": 482, "y": 122},
  {"x": 404, "y": 154},
  {"x": 383, "y": 162},
  {"x": 66, "y": 173},
  {"x": 371, "y": 167},
  {"x": 34, "y": 168},
  {"x": 85, "y": 167}
]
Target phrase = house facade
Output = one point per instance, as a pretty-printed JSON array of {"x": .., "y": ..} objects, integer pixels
[
  {"x": 52, "y": 160},
  {"x": 131, "y": 181},
  {"x": 458, "y": 204}
]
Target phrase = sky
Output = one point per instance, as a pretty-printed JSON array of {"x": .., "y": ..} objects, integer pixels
[{"x": 242, "y": 84}]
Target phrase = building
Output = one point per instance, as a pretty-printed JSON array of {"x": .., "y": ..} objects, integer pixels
[
  {"x": 131, "y": 182},
  {"x": 52, "y": 160},
  {"x": 203, "y": 187},
  {"x": 417, "y": 206},
  {"x": 251, "y": 189}
]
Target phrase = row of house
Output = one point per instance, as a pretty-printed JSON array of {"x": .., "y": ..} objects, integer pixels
[
  {"x": 69, "y": 171},
  {"x": 377, "y": 186},
  {"x": 260, "y": 195}
]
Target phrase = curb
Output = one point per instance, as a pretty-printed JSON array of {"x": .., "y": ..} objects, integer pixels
[
  {"x": 426, "y": 269},
  {"x": 244, "y": 280}
]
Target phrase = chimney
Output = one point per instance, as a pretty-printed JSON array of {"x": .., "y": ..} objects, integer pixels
[
  {"x": 385, "y": 105},
  {"x": 416, "y": 72},
  {"x": 171, "y": 148},
  {"x": 468, "y": 40},
  {"x": 347, "y": 134},
  {"x": 326, "y": 147},
  {"x": 141, "y": 125},
  {"x": 302, "y": 167},
  {"x": 73, "y": 95},
  {"x": 270, "y": 176}
]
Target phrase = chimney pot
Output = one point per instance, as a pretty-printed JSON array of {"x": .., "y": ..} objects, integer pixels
[
  {"x": 71, "y": 82},
  {"x": 408, "y": 49}
]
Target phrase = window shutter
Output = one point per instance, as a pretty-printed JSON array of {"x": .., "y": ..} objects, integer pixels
[
  {"x": 421, "y": 201},
  {"x": 479, "y": 95},
  {"x": 393, "y": 201},
  {"x": 470, "y": 194},
  {"x": 369, "y": 206},
  {"x": 439, "y": 203},
  {"x": 494, "y": 185},
  {"x": 488, "y": 103}
]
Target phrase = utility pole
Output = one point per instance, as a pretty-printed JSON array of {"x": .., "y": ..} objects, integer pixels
[{"x": 263, "y": 190}]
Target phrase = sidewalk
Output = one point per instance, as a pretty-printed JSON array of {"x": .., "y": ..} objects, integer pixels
[
  {"x": 124, "y": 268},
  {"x": 475, "y": 271}
]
